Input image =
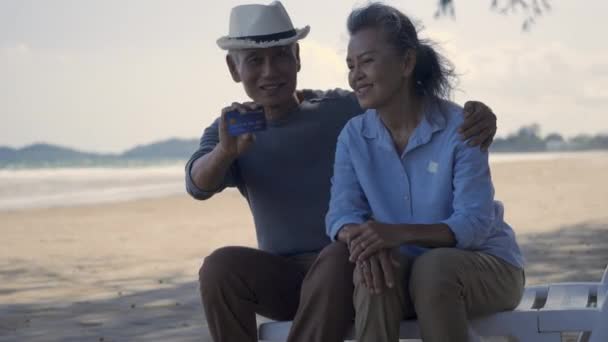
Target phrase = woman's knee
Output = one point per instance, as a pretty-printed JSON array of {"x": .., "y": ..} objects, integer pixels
[
  {"x": 335, "y": 253},
  {"x": 333, "y": 265},
  {"x": 435, "y": 276}
]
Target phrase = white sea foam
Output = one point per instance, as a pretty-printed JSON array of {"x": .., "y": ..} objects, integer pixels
[
  {"x": 33, "y": 188},
  {"x": 52, "y": 187}
]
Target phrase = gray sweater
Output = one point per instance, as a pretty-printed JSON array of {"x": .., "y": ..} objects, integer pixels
[{"x": 285, "y": 175}]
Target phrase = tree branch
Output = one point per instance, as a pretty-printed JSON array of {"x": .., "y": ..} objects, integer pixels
[{"x": 530, "y": 9}]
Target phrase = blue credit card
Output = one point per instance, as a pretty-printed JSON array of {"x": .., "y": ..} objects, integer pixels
[{"x": 239, "y": 123}]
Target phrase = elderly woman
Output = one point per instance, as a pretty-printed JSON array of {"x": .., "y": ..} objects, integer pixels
[{"x": 414, "y": 202}]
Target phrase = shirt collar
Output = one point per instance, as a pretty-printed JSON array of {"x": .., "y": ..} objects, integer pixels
[
  {"x": 371, "y": 124},
  {"x": 433, "y": 120}
]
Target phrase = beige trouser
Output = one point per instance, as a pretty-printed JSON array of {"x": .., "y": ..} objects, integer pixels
[{"x": 444, "y": 287}]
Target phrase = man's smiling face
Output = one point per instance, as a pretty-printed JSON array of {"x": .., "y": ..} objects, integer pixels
[{"x": 269, "y": 75}]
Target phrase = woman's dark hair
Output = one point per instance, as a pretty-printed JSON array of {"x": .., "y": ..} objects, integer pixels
[{"x": 433, "y": 74}]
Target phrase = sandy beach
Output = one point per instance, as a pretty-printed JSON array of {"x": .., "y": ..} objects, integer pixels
[{"x": 127, "y": 271}]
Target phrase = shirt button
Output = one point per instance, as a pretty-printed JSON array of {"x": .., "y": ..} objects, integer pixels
[{"x": 406, "y": 197}]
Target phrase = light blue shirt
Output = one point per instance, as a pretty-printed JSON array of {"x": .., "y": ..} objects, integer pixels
[{"x": 437, "y": 179}]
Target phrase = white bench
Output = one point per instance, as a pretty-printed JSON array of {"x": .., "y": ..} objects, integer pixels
[{"x": 544, "y": 312}]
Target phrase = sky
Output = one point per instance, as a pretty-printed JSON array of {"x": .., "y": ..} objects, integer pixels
[{"x": 106, "y": 75}]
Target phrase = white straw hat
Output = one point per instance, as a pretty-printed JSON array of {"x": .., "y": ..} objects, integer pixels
[{"x": 260, "y": 26}]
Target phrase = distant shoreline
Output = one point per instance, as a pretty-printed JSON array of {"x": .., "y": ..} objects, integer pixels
[
  {"x": 495, "y": 156},
  {"x": 93, "y": 164},
  {"x": 526, "y": 141},
  {"x": 501, "y": 157}
]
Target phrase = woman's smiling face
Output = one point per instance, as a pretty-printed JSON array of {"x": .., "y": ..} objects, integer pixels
[{"x": 377, "y": 72}]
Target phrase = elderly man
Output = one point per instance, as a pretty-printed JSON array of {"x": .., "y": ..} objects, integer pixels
[{"x": 284, "y": 174}]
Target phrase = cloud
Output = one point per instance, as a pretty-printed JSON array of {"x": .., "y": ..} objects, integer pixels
[
  {"x": 323, "y": 66},
  {"x": 549, "y": 83},
  {"x": 599, "y": 69},
  {"x": 22, "y": 52},
  {"x": 19, "y": 50},
  {"x": 595, "y": 94}
]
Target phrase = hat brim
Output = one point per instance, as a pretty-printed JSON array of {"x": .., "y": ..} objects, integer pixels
[{"x": 228, "y": 43}]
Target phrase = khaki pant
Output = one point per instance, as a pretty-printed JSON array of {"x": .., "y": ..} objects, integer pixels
[
  {"x": 314, "y": 290},
  {"x": 444, "y": 288}
]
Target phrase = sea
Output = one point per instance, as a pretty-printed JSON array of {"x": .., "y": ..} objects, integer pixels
[{"x": 23, "y": 187}]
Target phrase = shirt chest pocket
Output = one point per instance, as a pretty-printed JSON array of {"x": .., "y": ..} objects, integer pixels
[{"x": 432, "y": 188}]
